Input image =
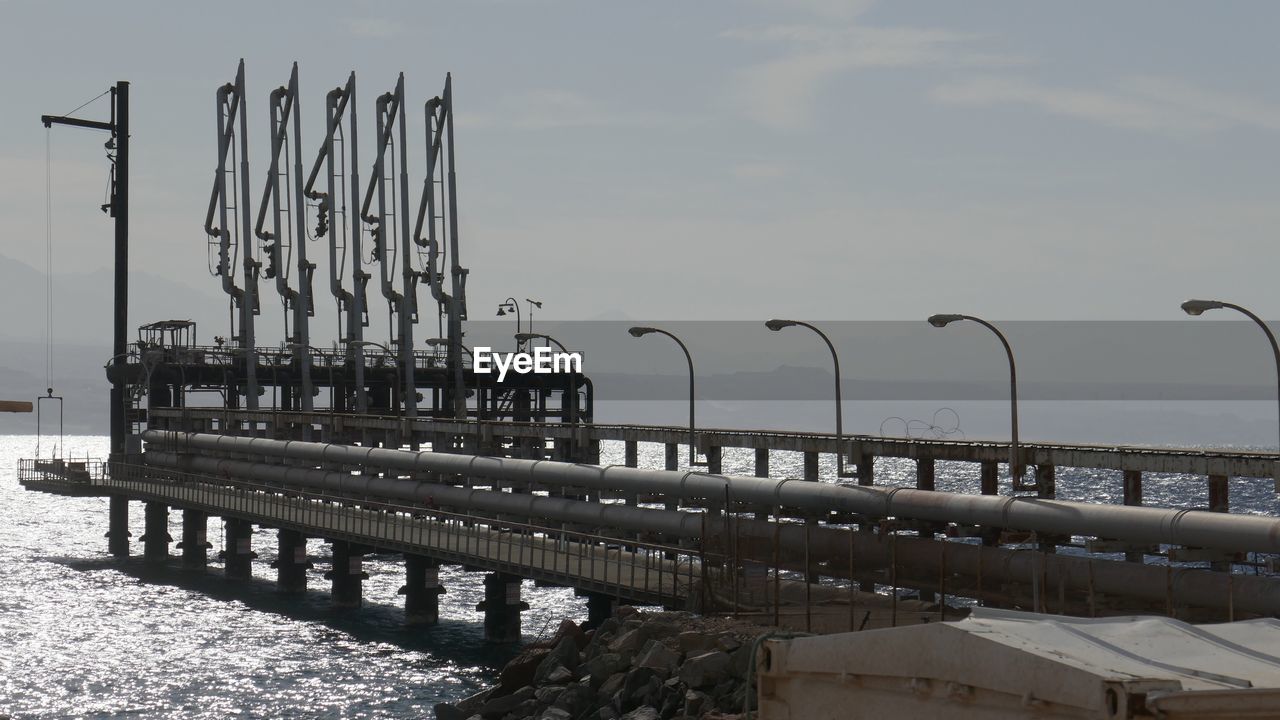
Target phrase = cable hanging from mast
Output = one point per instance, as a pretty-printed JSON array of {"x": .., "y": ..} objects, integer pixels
[
  {"x": 49, "y": 237},
  {"x": 48, "y": 258}
]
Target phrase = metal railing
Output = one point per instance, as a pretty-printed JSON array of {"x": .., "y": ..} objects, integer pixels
[
  {"x": 629, "y": 569},
  {"x": 1227, "y": 463},
  {"x": 228, "y": 355},
  {"x": 58, "y": 472},
  {"x": 764, "y": 571}
]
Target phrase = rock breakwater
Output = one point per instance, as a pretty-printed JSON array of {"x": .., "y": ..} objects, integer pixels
[{"x": 635, "y": 666}]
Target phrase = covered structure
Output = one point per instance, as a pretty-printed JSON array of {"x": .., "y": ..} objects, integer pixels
[{"x": 998, "y": 664}]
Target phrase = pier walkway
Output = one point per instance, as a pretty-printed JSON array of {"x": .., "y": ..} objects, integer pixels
[{"x": 633, "y": 572}]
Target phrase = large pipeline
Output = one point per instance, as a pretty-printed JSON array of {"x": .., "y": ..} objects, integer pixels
[
  {"x": 914, "y": 562},
  {"x": 1139, "y": 525},
  {"x": 1004, "y": 574},
  {"x": 624, "y": 517}
]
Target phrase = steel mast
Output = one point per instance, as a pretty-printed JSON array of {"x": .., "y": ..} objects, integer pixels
[
  {"x": 230, "y": 113},
  {"x": 403, "y": 303},
  {"x": 284, "y": 111},
  {"x": 339, "y": 103},
  {"x": 452, "y": 303}
]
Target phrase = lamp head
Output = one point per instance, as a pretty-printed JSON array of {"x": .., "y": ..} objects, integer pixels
[
  {"x": 641, "y": 331},
  {"x": 436, "y": 342},
  {"x": 776, "y": 325},
  {"x": 501, "y": 311},
  {"x": 535, "y": 303},
  {"x": 1195, "y": 307},
  {"x": 526, "y": 337},
  {"x": 944, "y": 320}
]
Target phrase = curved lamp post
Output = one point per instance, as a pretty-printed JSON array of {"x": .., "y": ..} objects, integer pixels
[
  {"x": 1015, "y": 468},
  {"x": 1196, "y": 307},
  {"x": 776, "y": 325},
  {"x": 385, "y": 349},
  {"x": 527, "y": 336},
  {"x": 573, "y": 380},
  {"x": 510, "y": 305},
  {"x": 641, "y": 331},
  {"x": 444, "y": 342}
]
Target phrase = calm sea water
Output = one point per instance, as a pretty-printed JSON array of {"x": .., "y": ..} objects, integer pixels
[{"x": 82, "y": 635}]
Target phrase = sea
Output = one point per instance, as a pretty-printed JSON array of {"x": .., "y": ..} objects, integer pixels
[{"x": 83, "y": 635}]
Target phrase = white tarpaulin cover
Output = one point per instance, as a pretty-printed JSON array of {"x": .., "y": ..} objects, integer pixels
[{"x": 1004, "y": 664}]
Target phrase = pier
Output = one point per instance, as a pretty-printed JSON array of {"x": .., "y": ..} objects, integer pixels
[
  {"x": 408, "y": 447},
  {"x": 672, "y": 538}
]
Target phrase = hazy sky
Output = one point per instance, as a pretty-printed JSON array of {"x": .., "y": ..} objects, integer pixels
[{"x": 716, "y": 160}]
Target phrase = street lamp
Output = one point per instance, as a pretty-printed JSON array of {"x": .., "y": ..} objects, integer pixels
[
  {"x": 444, "y": 342},
  {"x": 385, "y": 349},
  {"x": 641, "y": 331},
  {"x": 362, "y": 343},
  {"x": 510, "y": 305},
  {"x": 776, "y": 325},
  {"x": 573, "y": 380},
  {"x": 532, "y": 304},
  {"x": 1196, "y": 307},
  {"x": 527, "y": 336},
  {"x": 1015, "y": 468}
]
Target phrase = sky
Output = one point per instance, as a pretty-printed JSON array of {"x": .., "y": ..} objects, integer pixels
[{"x": 717, "y": 160}]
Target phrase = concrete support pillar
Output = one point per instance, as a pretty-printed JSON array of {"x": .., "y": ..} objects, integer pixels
[
  {"x": 714, "y": 463},
  {"x": 631, "y": 453},
  {"x": 672, "y": 456},
  {"x": 237, "y": 556},
  {"x": 762, "y": 462},
  {"x": 195, "y": 546},
  {"x": 347, "y": 575},
  {"x": 1046, "y": 481},
  {"x": 926, "y": 480},
  {"x": 421, "y": 591},
  {"x": 291, "y": 563},
  {"x": 599, "y": 609},
  {"x": 156, "y": 539},
  {"x": 925, "y": 474},
  {"x": 1219, "y": 501},
  {"x": 866, "y": 469},
  {"x": 990, "y": 477},
  {"x": 118, "y": 526},
  {"x": 1046, "y": 487},
  {"x": 1132, "y": 487},
  {"x": 1133, "y": 496},
  {"x": 1219, "y": 495},
  {"x": 502, "y": 607},
  {"x": 811, "y": 465}
]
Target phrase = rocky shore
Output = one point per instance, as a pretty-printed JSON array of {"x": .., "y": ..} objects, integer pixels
[{"x": 635, "y": 666}]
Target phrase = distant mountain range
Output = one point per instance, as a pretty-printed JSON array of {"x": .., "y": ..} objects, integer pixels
[
  {"x": 82, "y": 337},
  {"x": 82, "y": 303}
]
